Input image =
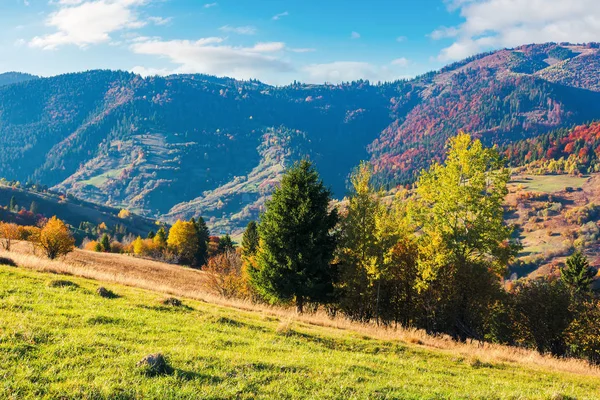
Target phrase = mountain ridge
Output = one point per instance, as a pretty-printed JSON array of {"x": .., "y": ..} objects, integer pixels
[{"x": 180, "y": 146}]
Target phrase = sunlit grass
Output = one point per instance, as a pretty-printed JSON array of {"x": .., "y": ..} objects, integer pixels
[{"x": 65, "y": 341}]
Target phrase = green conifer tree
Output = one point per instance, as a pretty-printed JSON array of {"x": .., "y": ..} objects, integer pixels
[
  {"x": 250, "y": 239},
  {"x": 297, "y": 240},
  {"x": 577, "y": 274}
]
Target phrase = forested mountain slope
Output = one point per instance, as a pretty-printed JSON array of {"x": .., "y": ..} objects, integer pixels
[{"x": 189, "y": 145}]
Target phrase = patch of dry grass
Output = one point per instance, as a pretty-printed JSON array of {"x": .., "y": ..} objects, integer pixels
[{"x": 185, "y": 282}]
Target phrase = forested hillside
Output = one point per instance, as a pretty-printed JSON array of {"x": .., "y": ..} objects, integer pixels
[
  {"x": 9, "y": 78},
  {"x": 190, "y": 145}
]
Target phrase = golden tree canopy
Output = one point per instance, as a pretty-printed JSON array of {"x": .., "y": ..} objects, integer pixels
[
  {"x": 56, "y": 239},
  {"x": 183, "y": 239}
]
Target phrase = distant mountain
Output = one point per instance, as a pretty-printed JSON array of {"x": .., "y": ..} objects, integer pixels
[
  {"x": 9, "y": 78},
  {"x": 189, "y": 145}
]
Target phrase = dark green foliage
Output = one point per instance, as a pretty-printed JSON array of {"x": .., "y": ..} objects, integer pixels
[
  {"x": 12, "y": 206},
  {"x": 203, "y": 239},
  {"x": 151, "y": 235},
  {"x": 225, "y": 244},
  {"x": 105, "y": 243},
  {"x": 250, "y": 240},
  {"x": 542, "y": 315},
  {"x": 296, "y": 233},
  {"x": 578, "y": 275},
  {"x": 161, "y": 237}
]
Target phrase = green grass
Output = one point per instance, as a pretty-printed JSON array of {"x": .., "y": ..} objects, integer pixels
[
  {"x": 65, "y": 341},
  {"x": 101, "y": 179},
  {"x": 550, "y": 183}
]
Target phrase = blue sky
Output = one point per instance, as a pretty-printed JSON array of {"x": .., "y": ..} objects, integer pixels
[{"x": 278, "y": 41}]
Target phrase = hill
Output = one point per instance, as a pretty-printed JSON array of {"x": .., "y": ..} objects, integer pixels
[
  {"x": 188, "y": 145},
  {"x": 59, "y": 336},
  {"x": 84, "y": 217},
  {"x": 9, "y": 78}
]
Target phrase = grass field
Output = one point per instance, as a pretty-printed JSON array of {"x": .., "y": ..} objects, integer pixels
[
  {"x": 549, "y": 183},
  {"x": 59, "y": 341}
]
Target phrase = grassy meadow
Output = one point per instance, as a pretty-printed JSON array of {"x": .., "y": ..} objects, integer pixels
[{"x": 62, "y": 340}]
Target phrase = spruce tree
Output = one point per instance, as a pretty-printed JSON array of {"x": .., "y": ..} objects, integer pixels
[
  {"x": 203, "y": 239},
  {"x": 577, "y": 274},
  {"x": 225, "y": 244},
  {"x": 161, "y": 238},
  {"x": 297, "y": 240},
  {"x": 12, "y": 206},
  {"x": 105, "y": 242},
  {"x": 250, "y": 239}
]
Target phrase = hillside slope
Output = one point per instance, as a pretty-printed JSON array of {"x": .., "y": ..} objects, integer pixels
[
  {"x": 61, "y": 339},
  {"x": 180, "y": 146}
]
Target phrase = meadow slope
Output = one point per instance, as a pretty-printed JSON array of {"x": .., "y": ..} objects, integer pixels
[{"x": 65, "y": 341}]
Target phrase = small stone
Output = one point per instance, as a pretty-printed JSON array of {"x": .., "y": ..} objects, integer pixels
[
  {"x": 154, "y": 365},
  {"x": 172, "y": 301},
  {"x": 105, "y": 293}
]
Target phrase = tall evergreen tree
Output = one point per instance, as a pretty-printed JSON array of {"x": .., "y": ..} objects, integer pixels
[
  {"x": 577, "y": 274},
  {"x": 105, "y": 242},
  {"x": 12, "y": 206},
  {"x": 203, "y": 239},
  {"x": 297, "y": 240},
  {"x": 160, "y": 239},
  {"x": 225, "y": 244},
  {"x": 250, "y": 239}
]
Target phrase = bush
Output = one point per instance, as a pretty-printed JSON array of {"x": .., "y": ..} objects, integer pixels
[{"x": 226, "y": 275}]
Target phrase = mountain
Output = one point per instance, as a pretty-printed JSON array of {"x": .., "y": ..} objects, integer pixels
[
  {"x": 9, "y": 78},
  {"x": 188, "y": 145}
]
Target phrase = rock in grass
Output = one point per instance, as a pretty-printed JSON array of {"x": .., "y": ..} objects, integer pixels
[
  {"x": 155, "y": 365},
  {"x": 173, "y": 302},
  {"x": 62, "y": 283},
  {"x": 7, "y": 261},
  {"x": 105, "y": 293}
]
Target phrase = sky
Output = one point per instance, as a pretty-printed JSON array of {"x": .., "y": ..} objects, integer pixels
[{"x": 278, "y": 41}]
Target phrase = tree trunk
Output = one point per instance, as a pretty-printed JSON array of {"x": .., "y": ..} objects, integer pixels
[{"x": 299, "y": 304}]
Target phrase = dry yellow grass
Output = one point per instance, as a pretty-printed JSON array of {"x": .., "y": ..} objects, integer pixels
[{"x": 189, "y": 283}]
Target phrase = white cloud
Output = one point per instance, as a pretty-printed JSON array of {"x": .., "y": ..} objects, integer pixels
[
  {"x": 210, "y": 5},
  {"x": 508, "y": 23},
  {"x": 268, "y": 47},
  {"x": 160, "y": 20},
  {"x": 210, "y": 56},
  {"x": 400, "y": 62},
  {"x": 303, "y": 50},
  {"x": 444, "y": 32},
  {"x": 401, "y": 39},
  {"x": 240, "y": 30},
  {"x": 89, "y": 22},
  {"x": 346, "y": 71},
  {"x": 355, "y": 35},
  {"x": 280, "y": 15}
]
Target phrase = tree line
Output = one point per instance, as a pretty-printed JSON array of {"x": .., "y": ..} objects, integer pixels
[{"x": 433, "y": 259}]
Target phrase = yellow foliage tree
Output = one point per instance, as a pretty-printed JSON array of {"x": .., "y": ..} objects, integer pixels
[
  {"x": 124, "y": 214},
  {"x": 183, "y": 239},
  {"x": 56, "y": 239},
  {"x": 8, "y": 233}
]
